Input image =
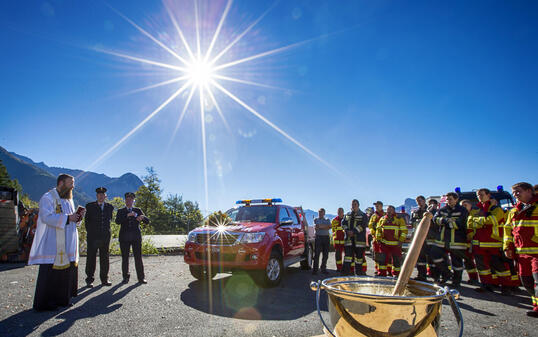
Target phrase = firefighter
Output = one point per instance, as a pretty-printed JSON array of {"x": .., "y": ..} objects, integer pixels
[
  {"x": 416, "y": 216},
  {"x": 338, "y": 238},
  {"x": 433, "y": 207},
  {"x": 486, "y": 223},
  {"x": 521, "y": 239},
  {"x": 372, "y": 225},
  {"x": 451, "y": 224},
  {"x": 512, "y": 265},
  {"x": 469, "y": 261},
  {"x": 354, "y": 225},
  {"x": 391, "y": 232}
]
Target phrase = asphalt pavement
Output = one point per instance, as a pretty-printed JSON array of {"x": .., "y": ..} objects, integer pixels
[{"x": 173, "y": 303}]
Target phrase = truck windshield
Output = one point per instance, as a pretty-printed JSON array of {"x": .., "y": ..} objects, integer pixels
[{"x": 258, "y": 213}]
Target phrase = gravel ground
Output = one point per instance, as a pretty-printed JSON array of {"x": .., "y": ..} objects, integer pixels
[{"x": 174, "y": 304}]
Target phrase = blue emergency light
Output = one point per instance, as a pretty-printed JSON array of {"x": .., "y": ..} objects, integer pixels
[
  {"x": 257, "y": 201},
  {"x": 457, "y": 190},
  {"x": 500, "y": 188}
]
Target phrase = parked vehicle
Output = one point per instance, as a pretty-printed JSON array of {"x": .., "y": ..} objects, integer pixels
[
  {"x": 504, "y": 198},
  {"x": 263, "y": 238}
]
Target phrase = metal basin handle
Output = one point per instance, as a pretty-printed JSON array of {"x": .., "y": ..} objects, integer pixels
[
  {"x": 455, "y": 309},
  {"x": 317, "y": 286}
]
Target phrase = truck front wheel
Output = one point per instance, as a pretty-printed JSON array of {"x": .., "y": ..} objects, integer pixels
[
  {"x": 202, "y": 272},
  {"x": 272, "y": 274}
]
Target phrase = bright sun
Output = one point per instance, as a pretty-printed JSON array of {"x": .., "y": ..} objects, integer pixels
[{"x": 200, "y": 72}]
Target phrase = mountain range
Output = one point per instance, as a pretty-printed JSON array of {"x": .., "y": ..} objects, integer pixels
[{"x": 38, "y": 178}]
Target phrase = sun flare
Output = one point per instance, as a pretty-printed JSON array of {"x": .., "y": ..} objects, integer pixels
[
  {"x": 198, "y": 69},
  {"x": 200, "y": 72}
]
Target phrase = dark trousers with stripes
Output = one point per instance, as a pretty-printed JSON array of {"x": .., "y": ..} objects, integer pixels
[
  {"x": 353, "y": 253},
  {"x": 456, "y": 257}
]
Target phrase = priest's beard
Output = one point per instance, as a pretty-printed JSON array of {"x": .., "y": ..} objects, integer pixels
[{"x": 65, "y": 192}]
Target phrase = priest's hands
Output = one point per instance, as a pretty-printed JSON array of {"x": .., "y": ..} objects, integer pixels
[{"x": 74, "y": 217}]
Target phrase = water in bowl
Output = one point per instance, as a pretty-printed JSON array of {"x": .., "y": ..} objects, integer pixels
[{"x": 369, "y": 288}]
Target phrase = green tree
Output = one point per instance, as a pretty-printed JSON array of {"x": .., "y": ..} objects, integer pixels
[
  {"x": 5, "y": 180},
  {"x": 148, "y": 198},
  {"x": 175, "y": 210},
  {"x": 193, "y": 217},
  {"x": 169, "y": 216}
]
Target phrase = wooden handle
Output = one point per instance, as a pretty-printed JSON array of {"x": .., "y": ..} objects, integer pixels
[{"x": 413, "y": 253}]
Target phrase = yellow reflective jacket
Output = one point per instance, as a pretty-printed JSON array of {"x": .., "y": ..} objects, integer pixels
[
  {"x": 521, "y": 229},
  {"x": 487, "y": 227},
  {"x": 374, "y": 219},
  {"x": 391, "y": 232}
]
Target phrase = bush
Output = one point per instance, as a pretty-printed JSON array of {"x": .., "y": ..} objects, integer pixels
[
  {"x": 147, "y": 246},
  {"x": 217, "y": 219}
]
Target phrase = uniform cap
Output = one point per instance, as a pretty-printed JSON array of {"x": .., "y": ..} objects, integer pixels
[
  {"x": 378, "y": 203},
  {"x": 130, "y": 194},
  {"x": 100, "y": 190}
]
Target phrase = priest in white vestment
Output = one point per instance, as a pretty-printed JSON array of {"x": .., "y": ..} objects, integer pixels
[{"x": 55, "y": 247}]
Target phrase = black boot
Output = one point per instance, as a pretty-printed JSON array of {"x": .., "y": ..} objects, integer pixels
[
  {"x": 484, "y": 288},
  {"x": 506, "y": 291},
  {"x": 532, "y": 313}
]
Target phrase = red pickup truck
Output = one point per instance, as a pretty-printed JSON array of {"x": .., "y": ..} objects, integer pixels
[{"x": 263, "y": 238}]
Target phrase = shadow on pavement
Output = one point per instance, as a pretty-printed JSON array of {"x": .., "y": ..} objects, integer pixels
[
  {"x": 238, "y": 296},
  {"x": 99, "y": 305},
  {"x": 467, "y": 307},
  {"x": 519, "y": 299},
  {"x": 24, "y": 323},
  {"x": 10, "y": 266}
]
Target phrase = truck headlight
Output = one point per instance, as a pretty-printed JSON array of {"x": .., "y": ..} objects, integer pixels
[
  {"x": 252, "y": 237},
  {"x": 191, "y": 237}
]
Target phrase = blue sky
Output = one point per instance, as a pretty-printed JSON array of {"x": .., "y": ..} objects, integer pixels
[{"x": 402, "y": 98}]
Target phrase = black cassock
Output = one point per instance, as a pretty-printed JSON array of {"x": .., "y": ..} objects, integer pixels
[{"x": 55, "y": 288}]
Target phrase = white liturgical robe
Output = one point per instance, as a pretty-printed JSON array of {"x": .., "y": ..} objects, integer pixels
[{"x": 52, "y": 224}]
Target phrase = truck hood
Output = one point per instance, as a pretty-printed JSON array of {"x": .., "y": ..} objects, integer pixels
[{"x": 246, "y": 227}]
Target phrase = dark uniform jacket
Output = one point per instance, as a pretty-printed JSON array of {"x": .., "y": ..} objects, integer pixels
[
  {"x": 357, "y": 222},
  {"x": 416, "y": 217},
  {"x": 130, "y": 227},
  {"x": 451, "y": 225},
  {"x": 97, "y": 221}
]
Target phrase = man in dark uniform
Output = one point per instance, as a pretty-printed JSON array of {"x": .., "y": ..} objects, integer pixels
[
  {"x": 416, "y": 217},
  {"x": 129, "y": 219},
  {"x": 97, "y": 222},
  {"x": 451, "y": 223},
  {"x": 354, "y": 225}
]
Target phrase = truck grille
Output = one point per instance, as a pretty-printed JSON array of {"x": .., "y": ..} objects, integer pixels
[
  {"x": 215, "y": 257},
  {"x": 216, "y": 238}
]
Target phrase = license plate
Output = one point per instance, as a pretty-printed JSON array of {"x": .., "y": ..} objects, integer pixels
[{"x": 215, "y": 250}]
